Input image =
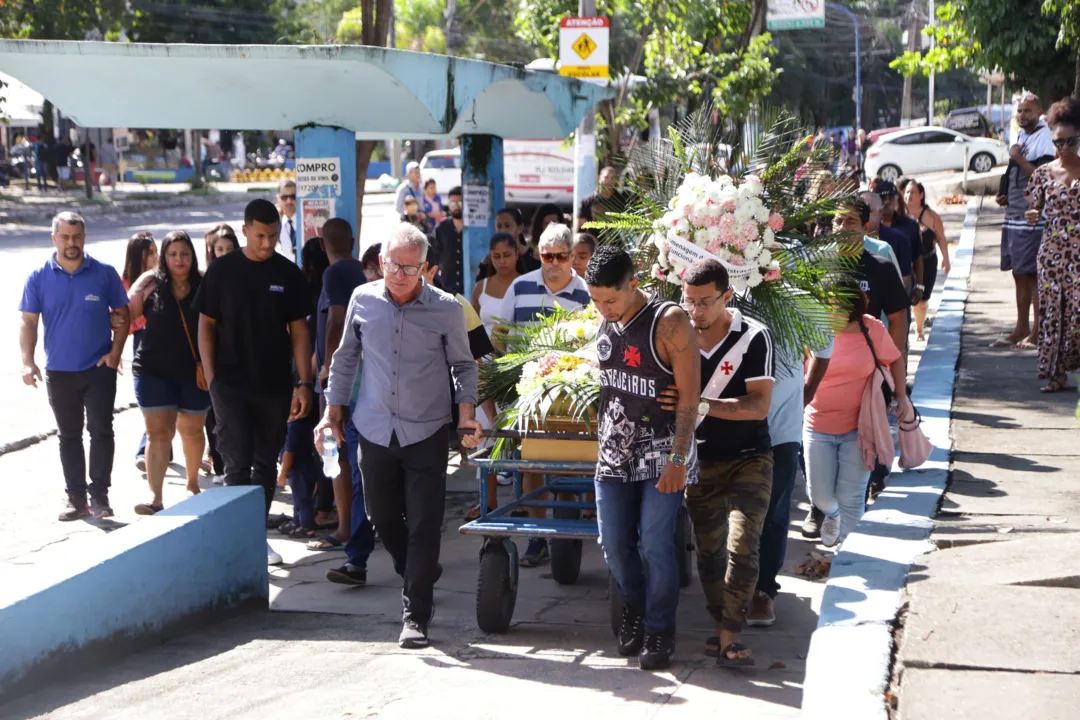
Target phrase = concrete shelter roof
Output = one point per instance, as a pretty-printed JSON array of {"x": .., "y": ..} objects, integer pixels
[{"x": 376, "y": 92}]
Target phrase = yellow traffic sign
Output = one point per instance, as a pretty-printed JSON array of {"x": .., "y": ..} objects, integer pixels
[{"x": 584, "y": 46}]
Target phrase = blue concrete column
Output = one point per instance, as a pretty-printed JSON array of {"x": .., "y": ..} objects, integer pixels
[
  {"x": 325, "y": 180},
  {"x": 484, "y": 193}
]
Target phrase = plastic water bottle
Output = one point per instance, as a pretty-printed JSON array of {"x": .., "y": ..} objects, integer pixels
[{"x": 329, "y": 454}]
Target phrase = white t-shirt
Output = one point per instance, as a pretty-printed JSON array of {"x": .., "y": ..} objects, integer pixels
[{"x": 285, "y": 238}]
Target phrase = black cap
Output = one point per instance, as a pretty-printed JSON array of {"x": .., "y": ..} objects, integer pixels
[{"x": 886, "y": 189}]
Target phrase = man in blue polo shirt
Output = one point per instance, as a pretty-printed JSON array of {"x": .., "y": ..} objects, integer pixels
[{"x": 75, "y": 294}]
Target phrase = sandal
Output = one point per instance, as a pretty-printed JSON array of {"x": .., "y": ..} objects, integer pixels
[
  {"x": 724, "y": 661},
  {"x": 302, "y": 533},
  {"x": 327, "y": 542},
  {"x": 148, "y": 509},
  {"x": 519, "y": 512},
  {"x": 1056, "y": 386},
  {"x": 1002, "y": 342},
  {"x": 1025, "y": 344},
  {"x": 274, "y": 521},
  {"x": 286, "y": 527},
  {"x": 473, "y": 513}
]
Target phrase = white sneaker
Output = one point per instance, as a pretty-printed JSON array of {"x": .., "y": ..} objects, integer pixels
[
  {"x": 217, "y": 480},
  {"x": 504, "y": 479},
  {"x": 830, "y": 529},
  {"x": 272, "y": 558}
]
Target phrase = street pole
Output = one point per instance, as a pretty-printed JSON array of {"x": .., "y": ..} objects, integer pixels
[
  {"x": 912, "y": 17},
  {"x": 933, "y": 44},
  {"x": 585, "y": 145},
  {"x": 86, "y": 166},
  {"x": 858, "y": 61}
]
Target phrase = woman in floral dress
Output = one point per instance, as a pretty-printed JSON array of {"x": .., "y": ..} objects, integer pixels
[{"x": 1054, "y": 192}]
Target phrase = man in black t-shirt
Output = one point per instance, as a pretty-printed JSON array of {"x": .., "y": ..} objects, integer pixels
[
  {"x": 253, "y": 308},
  {"x": 344, "y": 275},
  {"x": 729, "y": 504},
  {"x": 877, "y": 277},
  {"x": 893, "y": 219}
]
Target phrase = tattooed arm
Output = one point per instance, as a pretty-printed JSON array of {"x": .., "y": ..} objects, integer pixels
[{"x": 677, "y": 346}]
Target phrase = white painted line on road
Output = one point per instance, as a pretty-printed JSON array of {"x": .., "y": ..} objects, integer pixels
[{"x": 847, "y": 668}]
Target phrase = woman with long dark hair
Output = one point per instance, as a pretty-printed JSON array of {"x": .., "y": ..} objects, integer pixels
[
  {"x": 932, "y": 234},
  {"x": 141, "y": 256},
  {"x": 220, "y": 240},
  {"x": 836, "y": 469},
  {"x": 167, "y": 367}
]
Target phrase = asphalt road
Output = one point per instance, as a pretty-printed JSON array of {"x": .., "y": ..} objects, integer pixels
[{"x": 25, "y": 247}]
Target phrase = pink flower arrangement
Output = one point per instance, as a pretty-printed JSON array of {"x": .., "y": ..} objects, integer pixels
[{"x": 740, "y": 216}]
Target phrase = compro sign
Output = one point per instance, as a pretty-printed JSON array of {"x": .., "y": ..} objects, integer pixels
[
  {"x": 583, "y": 47},
  {"x": 315, "y": 174}
]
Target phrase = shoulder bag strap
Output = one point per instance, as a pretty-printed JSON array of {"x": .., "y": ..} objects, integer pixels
[
  {"x": 187, "y": 333},
  {"x": 877, "y": 363}
]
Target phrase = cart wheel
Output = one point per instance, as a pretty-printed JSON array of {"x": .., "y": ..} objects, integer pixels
[
  {"x": 565, "y": 554},
  {"x": 496, "y": 589},
  {"x": 684, "y": 547},
  {"x": 615, "y": 604}
]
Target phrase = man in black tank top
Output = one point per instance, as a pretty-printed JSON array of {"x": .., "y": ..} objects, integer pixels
[{"x": 646, "y": 454}]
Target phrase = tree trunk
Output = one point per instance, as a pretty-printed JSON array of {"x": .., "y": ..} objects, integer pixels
[
  {"x": 364, "y": 148},
  {"x": 376, "y": 16},
  {"x": 49, "y": 138},
  {"x": 1076, "y": 85}
]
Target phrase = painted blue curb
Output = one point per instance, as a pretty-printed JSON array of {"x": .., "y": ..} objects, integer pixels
[
  {"x": 847, "y": 668},
  {"x": 205, "y": 554}
]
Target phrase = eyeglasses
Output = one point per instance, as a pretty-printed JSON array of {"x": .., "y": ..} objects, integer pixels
[
  {"x": 390, "y": 267},
  {"x": 288, "y": 197},
  {"x": 1060, "y": 143},
  {"x": 555, "y": 257},
  {"x": 689, "y": 305}
]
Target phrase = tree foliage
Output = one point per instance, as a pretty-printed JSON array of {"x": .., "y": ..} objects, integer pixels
[
  {"x": 1013, "y": 36},
  {"x": 690, "y": 53},
  {"x": 61, "y": 19},
  {"x": 240, "y": 22}
]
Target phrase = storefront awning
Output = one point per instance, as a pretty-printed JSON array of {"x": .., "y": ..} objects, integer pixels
[{"x": 377, "y": 92}]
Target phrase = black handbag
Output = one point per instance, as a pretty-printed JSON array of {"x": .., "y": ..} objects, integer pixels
[{"x": 885, "y": 389}]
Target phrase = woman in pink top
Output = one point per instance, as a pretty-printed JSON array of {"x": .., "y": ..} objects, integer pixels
[{"x": 836, "y": 472}]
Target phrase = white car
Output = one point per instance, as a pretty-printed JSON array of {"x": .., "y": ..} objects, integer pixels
[
  {"x": 535, "y": 171},
  {"x": 444, "y": 166},
  {"x": 930, "y": 149}
]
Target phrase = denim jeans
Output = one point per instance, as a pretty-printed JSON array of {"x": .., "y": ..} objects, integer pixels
[
  {"x": 774, "y": 534},
  {"x": 361, "y": 535},
  {"x": 637, "y": 533},
  {"x": 836, "y": 476}
]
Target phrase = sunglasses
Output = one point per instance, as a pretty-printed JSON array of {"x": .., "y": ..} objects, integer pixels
[
  {"x": 555, "y": 257},
  {"x": 1060, "y": 143},
  {"x": 288, "y": 197},
  {"x": 390, "y": 268}
]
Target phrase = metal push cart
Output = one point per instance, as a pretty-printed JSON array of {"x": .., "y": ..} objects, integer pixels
[{"x": 566, "y": 530}]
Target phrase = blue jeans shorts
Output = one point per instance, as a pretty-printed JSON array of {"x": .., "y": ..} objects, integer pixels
[{"x": 157, "y": 393}]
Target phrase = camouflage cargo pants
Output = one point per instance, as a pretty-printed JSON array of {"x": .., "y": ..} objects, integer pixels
[{"x": 728, "y": 507}]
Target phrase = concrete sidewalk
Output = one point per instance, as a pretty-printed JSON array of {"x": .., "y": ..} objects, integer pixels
[{"x": 992, "y": 628}]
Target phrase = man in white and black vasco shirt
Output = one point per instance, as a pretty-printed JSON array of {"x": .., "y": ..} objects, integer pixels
[{"x": 729, "y": 503}]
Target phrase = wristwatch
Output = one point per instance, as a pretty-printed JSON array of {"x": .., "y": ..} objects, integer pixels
[
  {"x": 703, "y": 407},
  {"x": 677, "y": 459},
  {"x": 300, "y": 384},
  {"x": 920, "y": 287}
]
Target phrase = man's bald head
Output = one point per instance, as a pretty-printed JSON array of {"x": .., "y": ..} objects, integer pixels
[
  {"x": 1028, "y": 111},
  {"x": 337, "y": 237}
]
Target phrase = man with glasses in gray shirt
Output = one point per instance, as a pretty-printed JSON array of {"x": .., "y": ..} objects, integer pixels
[{"x": 412, "y": 337}]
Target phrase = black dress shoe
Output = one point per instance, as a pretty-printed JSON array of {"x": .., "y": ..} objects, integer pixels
[
  {"x": 657, "y": 652},
  {"x": 347, "y": 575}
]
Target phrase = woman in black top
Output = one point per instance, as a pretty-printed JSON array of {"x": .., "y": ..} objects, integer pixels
[{"x": 165, "y": 365}]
